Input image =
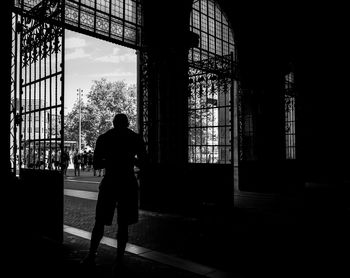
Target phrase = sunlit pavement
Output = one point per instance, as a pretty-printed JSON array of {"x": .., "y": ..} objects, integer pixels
[{"x": 167, "y": 239}]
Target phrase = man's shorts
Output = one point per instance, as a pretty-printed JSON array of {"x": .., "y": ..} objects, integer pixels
[{"x": 110, "y": 196}]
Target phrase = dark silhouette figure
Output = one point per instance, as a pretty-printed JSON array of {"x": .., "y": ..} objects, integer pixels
[
  {"x": 65, "y": 161},
  {"x": 76, "y": 162},
  {"x": 117, "y": 151}
]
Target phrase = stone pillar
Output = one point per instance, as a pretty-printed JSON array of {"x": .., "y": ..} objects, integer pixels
[{"x": 166, "y": 42}]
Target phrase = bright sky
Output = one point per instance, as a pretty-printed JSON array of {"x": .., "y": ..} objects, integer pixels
[{"x": 88, "y": 59}]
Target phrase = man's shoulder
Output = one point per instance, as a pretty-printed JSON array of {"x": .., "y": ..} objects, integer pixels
[
  {"x": 104, "y": 135},
  {"x": 112, "y": 133}
]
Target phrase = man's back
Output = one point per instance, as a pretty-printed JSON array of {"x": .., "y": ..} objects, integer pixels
[{"x": 116, "y": 150}]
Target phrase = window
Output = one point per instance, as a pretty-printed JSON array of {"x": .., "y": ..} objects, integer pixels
[{"x": 210, "y": 86}]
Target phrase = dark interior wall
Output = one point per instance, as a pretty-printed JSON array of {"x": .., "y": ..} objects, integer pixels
[
  {"x": 312, "y": 38},
  {"x": 324, "y": 112},
  {"x": 264, "y": 38}
]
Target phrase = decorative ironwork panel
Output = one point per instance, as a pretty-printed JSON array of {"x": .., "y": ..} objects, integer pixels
[
  {"x": 143, "y": 96},
  {"x": 212, "y": 73},
  {"x": 39, "y": 99},
  {"x": 118, "y": 21},
  {"x": 210, "y": 123},
  {"x": 289, "y": 98},
  {"x": 210, "y": 23},
  {"x": 115, "y": 20}
]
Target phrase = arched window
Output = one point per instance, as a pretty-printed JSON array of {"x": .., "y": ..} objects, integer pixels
[{"x": 211, "y": 86}]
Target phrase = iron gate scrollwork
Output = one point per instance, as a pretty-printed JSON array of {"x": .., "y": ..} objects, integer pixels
[
  {"x": 143, "y": 95},
  {"x": 211, "y": 89},
  {"x": 212, "y": 86},
  {"x": 37, "y": 66}
]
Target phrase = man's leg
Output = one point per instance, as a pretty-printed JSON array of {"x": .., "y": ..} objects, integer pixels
[
  {"x": 122, "y": 238},
  {"x": 96, "y": 236}
]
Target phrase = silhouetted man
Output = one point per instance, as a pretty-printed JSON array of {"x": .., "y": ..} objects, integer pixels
[{"x": 117, "y": 151}]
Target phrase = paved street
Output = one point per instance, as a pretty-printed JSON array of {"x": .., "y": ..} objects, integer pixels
[{"x": 182, "y": 237}]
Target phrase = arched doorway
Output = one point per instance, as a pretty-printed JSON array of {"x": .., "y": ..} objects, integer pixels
[
  {"x": 37, "y": 89},
  {"x": 213, "y": 86}
]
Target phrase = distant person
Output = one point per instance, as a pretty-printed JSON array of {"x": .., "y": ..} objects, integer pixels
[
  {"x": 84, "y": 160},
  {"x": 89, "y": 160},
  {"x": 65, "y": 159},
  {"x": 76, "y": 162},
  {"x": 117, "y": 151}
]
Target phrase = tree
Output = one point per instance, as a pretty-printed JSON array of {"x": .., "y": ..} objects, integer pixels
[{"x": 104, "y": 100}]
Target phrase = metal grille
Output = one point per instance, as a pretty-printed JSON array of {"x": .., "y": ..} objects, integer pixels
[
  {"x": 290, "y": 116},
  {"x": 37, "y": 85},
  {"x": 143, "y": 96},
  {"x": 38, "y": 102},
  {"x": 116, "y": 20},
  {"x": 210, "y": 86}
]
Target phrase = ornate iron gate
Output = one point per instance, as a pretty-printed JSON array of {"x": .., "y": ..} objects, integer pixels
[
  {"x": 38, "y": 37},
  {"x": 37, "y": 92},
  {"x": 212, "y": 86},
  {"x": 37, "y": 110},
  {"x": 210, "y": 110},
  {"x": 38, "y": 85}
]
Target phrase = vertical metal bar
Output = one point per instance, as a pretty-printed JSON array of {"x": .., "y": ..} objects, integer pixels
[
  {"x": 30, "y": 105},
  {"x": 110, "y": 18},
  {"x": 18, "y": 82},
  {"x": 34, "y": 65},
  {"x": 123, "y": 29},
  {"x": 206, "y": 117},
  {"x": 207, "y": 31},
  {"x": 222, "y": 33},
  {"x": 16, "y": 112},
  {"x": 40, "y": 101},
  {"x": 50, "y": 101},
  {"x": 62, "y": 74},
  {"x": 232, "y": 109},
  {"x": 95, "y": 15},
  {"x": 200, "y": 125},
  {"x": 56, "y": 96},
  {"x": 79, "y": 13},
  {"x": 45, "y": 105},
  {"x": 213, "y": 109}
]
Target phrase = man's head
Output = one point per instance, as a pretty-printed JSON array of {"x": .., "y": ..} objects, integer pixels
[{"x": 120, "y": 121}]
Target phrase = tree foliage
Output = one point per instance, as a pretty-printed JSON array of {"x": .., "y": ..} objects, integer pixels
[{"x": 104, "y": 100}]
